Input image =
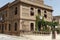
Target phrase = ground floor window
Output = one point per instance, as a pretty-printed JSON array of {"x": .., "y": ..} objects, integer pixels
[
  {"x": 15, "y": 27},
  {"x": 0, "y": 27},
  {"x": 9, "y": 27},
  {"x": 32, "y": 26},
  {"x": 5, "y": 26}
]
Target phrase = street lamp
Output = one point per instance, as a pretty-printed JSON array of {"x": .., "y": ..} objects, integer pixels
[
  {"x": 41, "y": 21},
  {"x": 56, "y": 26},
  {"x": 41, "y": 17}
]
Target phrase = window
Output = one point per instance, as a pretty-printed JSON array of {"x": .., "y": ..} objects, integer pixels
[
  {"x": 32, "y": 9},
  {"x": 3, "y": 17},
  {"x": 15, "y": 10},
  {"x": 45, "y": 15},
  {"x": 15, "y": 27},
  {"x": 6, "y": 13},
  {"x": 45, "y": 11},
  {"x": 39, "y": 11},
  {"x": 5, "y": 26},
  {"x": 32, "y": 26},
  {"x": 0, "y": 26},
  {"x": 9, "y": 27},
  {"x": 32, "y": 12}
]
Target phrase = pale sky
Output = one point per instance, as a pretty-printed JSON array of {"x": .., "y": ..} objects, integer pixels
[
  {"x": 53, "y": 3},
  {"x": 56, "y": 6}
]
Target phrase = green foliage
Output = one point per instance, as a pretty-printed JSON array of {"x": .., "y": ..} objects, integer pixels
[
  {"x": 40, "y": 22},
  {"x": 58, "y": 30},
  {"x": 53, "y": 24},
  {"x": 44, "y": 23},
  {"x": 36, "y": 23}
]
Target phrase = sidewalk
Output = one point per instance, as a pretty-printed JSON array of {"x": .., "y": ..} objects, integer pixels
[{"x": 28, "y": 37}]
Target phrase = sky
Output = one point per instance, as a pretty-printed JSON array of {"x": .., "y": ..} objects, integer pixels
[{"x": 53, "y": 3}]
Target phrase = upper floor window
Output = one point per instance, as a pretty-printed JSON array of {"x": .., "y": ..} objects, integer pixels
[
  {"x": 15, "y": 27},
  {"x": 15, "y": 10},
  {"x": 32, "y": 8},
  {"x": 3, "y": 17},
  {"x": 6, "y": 13},
  {"x": 32, "y": 12},
  {"x": 39, "y": 11},
  {"x": 45, "y": 11},
  {"x": 45, "y": 15}
]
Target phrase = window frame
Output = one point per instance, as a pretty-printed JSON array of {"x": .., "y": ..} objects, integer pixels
[
  {"x": 39, "y": 11},
  {"x": 32, "y": 11},
  {"x": 32, "y": 26},
  {"x": 16, "y": 9},
  {"x": 9, "y": 27},
  {"x": 45, "y": 15},
  {"x": 15, "y": 26}
]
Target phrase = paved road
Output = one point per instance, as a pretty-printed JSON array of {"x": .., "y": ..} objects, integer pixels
[
  {"x": 8, "y": 37},
  {"x": 23, "y": 37},
  {"x": 28, "y": 37}
]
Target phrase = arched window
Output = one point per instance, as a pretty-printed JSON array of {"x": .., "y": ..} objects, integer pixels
[
  {"x": 5, "y": 26},
  {"x": 45, "y": 15},
  {"x": 32, "y": 12},
  {"x": 15, "y": 10},
  {"x": 32, "y": 8},
  {"x": 45, "y": 11},
  {"x": 0, "y": 26},
  {"x": 39, "y": 11},
  {"x": 15, "y": 27},
  {"x": 32, "y": 26},
  {"x": 9, "y": 27}
]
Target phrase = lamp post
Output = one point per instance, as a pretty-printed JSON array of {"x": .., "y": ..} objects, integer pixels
[
  {"x": 41, "y": 21},
  {"x": 41, "y": 17},
  {"x": 56, "y": 26}
]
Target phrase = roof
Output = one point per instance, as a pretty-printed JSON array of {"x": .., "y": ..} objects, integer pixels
[
  {"x": 14, "y": 2},
  {"x": 3, "y": 7},
  {"x": 56, "y": 17}
]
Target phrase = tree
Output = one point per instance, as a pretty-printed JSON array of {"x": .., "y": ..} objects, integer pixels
[
  {"x": 43, "y": 23},
  {"x": 53, "y": 24},
  {"x": 40, "y": 22},
  {"x": 36, "y": 22}
]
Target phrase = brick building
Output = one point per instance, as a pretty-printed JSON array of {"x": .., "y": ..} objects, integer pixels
[
  {"x": 20, "y": 15},
  {"x": 57, "y": 19}
]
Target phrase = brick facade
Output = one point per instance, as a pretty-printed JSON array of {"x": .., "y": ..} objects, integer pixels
[{"x": 20, "y": 15}]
